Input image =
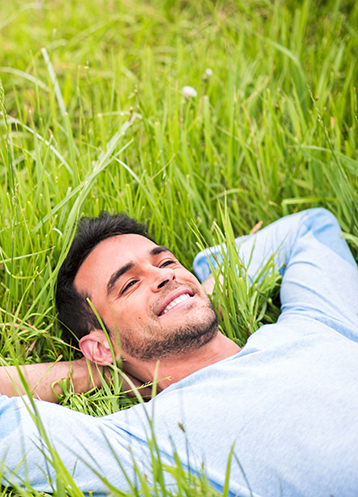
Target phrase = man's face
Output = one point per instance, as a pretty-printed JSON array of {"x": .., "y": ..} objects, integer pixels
[{"x": 146, "y": 297}]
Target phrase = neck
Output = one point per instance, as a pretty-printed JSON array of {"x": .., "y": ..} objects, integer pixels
[{"x": 172, "y": 369}]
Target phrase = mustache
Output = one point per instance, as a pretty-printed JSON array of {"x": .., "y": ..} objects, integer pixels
[{"x": 170, "y": 288}]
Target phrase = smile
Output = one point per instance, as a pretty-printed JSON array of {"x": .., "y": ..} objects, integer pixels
[{"x": 173, "y": 303}]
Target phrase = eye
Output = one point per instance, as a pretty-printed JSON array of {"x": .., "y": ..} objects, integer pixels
[
  {"x": 131, "y": 283},
  {"x": 167, "y": 263}
]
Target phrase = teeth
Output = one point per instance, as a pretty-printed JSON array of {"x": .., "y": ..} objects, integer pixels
[{"x": 176, "y": 301}]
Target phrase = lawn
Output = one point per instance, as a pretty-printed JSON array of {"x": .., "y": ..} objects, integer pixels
[{"x": 94, "y": 117}]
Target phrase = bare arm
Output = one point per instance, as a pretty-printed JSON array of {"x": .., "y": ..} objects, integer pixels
[{"x": 42, "y": 378}]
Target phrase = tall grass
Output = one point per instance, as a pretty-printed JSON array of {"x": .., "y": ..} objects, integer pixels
[{"x": 93, "y": 117}]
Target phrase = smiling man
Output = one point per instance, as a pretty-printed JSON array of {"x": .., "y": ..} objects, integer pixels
[
  {"x": 153, "y": 308},
  {"x": 153, "y": 304},
  {"x": 287, "y": 402}
]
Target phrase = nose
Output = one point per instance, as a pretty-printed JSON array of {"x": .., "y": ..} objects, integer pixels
[{"x": 162, "y": 277}]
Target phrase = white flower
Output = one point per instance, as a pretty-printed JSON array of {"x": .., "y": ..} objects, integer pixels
[
  {"x": 188, "y": 91},
  {"x": 208, "y": 72}
]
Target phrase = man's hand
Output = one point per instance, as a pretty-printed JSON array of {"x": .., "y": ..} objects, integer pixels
[
  {"x": 209, "y": 285},
  {"x": 145, "y": 390}
]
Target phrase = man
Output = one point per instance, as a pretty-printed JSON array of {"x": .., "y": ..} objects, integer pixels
[{"x": 287, "y": 402}]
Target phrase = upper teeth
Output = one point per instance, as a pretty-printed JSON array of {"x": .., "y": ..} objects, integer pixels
[{"x": 176, "y": 301}]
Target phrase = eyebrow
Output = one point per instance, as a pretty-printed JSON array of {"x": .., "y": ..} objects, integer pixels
[
  {"x": 159, "y": 249},
  {"x": 116, "y": 275}
]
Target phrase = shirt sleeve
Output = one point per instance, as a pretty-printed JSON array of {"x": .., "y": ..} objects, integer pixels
[
  {"x": 320, "y": 276},
  {"x": 84, "y": 445}
]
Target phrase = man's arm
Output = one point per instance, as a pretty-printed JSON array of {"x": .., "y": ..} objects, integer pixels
[
  {"x": 320, "y": 276},
  {"x": 42, "y": 378}
]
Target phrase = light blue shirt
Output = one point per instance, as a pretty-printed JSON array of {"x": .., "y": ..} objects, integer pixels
[{"x": 288, "y": 402}]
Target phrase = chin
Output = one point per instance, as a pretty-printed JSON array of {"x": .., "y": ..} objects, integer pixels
[{"x": 201, "y": 329}]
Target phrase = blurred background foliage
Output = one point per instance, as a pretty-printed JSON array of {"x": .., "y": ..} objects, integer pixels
[{"x": 94, "y": 117}]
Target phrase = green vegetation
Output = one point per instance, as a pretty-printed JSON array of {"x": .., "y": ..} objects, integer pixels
[{"x": 93, "y": 117}]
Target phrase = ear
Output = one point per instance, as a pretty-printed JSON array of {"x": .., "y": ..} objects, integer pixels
[{"x": 95, "y": 348}]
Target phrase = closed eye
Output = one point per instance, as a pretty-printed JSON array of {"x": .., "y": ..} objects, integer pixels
[
  {"x": 131, "y": 283},
  {"x": 167, "y": 263},
  {"x": 162, "y": 265}
]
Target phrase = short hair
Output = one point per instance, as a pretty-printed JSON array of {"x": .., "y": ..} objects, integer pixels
[{"x": 75, "y": 315}]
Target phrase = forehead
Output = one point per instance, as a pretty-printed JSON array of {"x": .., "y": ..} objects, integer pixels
[{"x": 108, "y": 256}]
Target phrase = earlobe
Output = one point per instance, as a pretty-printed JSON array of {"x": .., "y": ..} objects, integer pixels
[{"x": 96, "y": 348}]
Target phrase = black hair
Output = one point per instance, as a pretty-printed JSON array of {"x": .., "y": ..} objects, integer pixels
[{"x": 74, "y": 312}]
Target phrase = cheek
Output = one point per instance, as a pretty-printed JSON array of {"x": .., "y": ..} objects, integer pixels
[
  {"x": 185, "y": 275},
  {"x": 132, "y": 310}
]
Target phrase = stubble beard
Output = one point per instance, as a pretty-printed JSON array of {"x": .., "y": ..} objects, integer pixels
[{"x": 186, "y": 338}]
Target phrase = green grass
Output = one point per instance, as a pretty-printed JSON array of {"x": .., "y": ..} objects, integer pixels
[{"x": 95, "y": 119}]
